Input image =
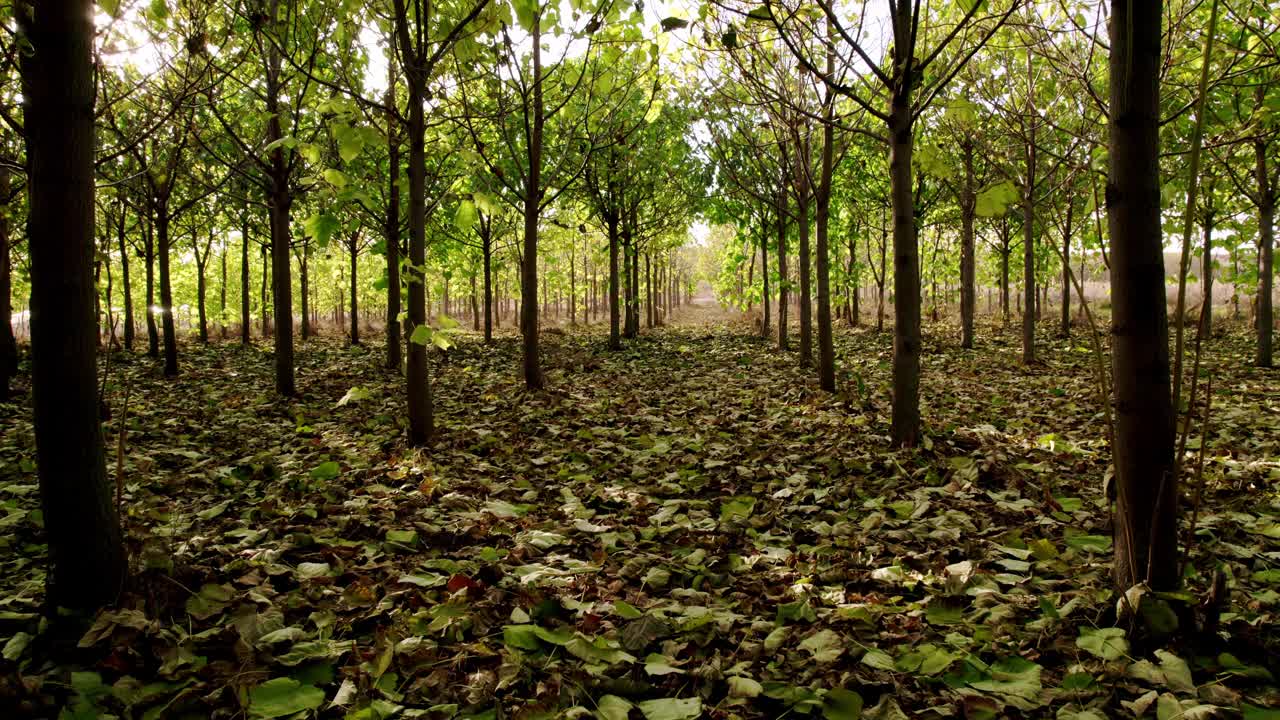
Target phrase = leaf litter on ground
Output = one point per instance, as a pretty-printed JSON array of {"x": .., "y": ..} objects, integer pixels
[{"x": 687, "y": 528}]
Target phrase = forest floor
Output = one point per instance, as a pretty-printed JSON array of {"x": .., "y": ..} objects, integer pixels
[{"x": 686, "y": 528}]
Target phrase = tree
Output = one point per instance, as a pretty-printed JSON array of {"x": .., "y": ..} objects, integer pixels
[
  {"x": 913, "y": 79},
  {"x": 85, "y": 545},
  {"x": 1146, "y": 546}
]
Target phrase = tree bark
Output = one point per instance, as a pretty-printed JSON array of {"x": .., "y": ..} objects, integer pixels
[
  {"x": 86, "y": 551},
  {"x": 149, "y": 253},
  {"x": 1266, "y": 244},
  {"x": 806, "y": 259},
  {"x": 906, "y": 269},
  {"x": 8, "y": 343},
  {"x": 245, "y": 322},
  {"x": 124, "y": 279},
  {"x": 1146, "y": 543},
  {"x": 166, "y": 293},
  {"x": 355, "y": 290},
  {"x": 421, "y": 419},
  {"x": 826, "y": 348},
  {"x": 968, "y": 202},
  {"x": 783, "y": 344},
  {"x": 533, "y": 378}
]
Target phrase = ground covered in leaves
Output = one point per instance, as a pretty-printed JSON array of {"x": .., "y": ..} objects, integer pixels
[{"x": 688, "y": 528}]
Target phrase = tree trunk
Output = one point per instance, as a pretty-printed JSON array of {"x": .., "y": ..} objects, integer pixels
[
  {"x": 355, "y": 290},
  {"x": 392, "y": 229},
  {"x": 1066, "y": 274},
  {"x": 826, "y": 348},
  {"x": 968, "y": 263},
  {"x": 615, "y": 338},
  {"x": 421, "y": 418},
  {"x": 1206, "y": 277},
  {"x": 906, "y": 271},
  {"x": 278, "y": 206},
  {"x": 486, "y": 240},
  {"x": 86, "y": 551},
  {"x": 222, "y": 293},
  {"x": 764, "y": 275},
  {"x": 244, "y": 280},
  {"x": 202, "y": 261},
  {"x": 149, "y": 253},
  {"x": 1146, "y": 543},
  {"x": 532, "y": 206},
  {"x": 304, "y": 284},
  {"x": 124, "y": 277},
  {"x": 8, "y": 343},
  {"x": 166, "y": 293},
  {"x": 1029, "y": 250},
  {"x": 782, "y": 269},
  {"x": 805, "y": 259},
  {"x": 1266, "y": 243}
]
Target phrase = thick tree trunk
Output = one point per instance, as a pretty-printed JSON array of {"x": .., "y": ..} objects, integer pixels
[
  {"x": 421, "y": 418},
  {"x": 86, "y": 552},
  {"x": 1146, "y": 543},
  {"x": 906, "y": 273},
  {"x": 278, "y": 206}
]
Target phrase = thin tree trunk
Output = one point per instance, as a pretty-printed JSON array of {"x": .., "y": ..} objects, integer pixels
[
  {"x": 244, "y": 280},
  {"x": 153, "y": 334},
  {"x": 1266, "y": 243},
  {"x": 968, "y": 262},
  {"x": 782, "y": 269},
  {"x": 8, "y": 343},
  {"x": 166, "y": 294},
  {"x": 355, "y": 290},
  {"x": 124, "y": 279},
  {"x": 826, "y": 348},
  {"x": 533, "y": 378}
]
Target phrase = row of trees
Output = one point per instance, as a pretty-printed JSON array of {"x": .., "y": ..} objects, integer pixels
[
  {"x": 1022, "y": 124},
  {"x": 521, "y": 155}
]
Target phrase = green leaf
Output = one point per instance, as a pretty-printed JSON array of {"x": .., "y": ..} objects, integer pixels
[
  {"x": 612, "y": 707},
  {"x": 350, "y": 142},
  {"x": 1106, "y": 643},
  {"x": 465, "y": 218},
  {"x": 673, "y": 23},
  {"x": 761, "y": 13},
  {"x": 336, "y": 178},
  {"x": 110, "y": 7},
  {"x": 421, "y": 335},
  {"x": 672, "y": 709},
  {"x": 743, "y": 687},
  {"x": 402, "y": 537},
  {"x": 971, "y": 6},
  {"x": 879, "y": 660},
  {"x": 326, "y": 470},
  {"x": 321, "y": 226},
  {"x": 283, "y": 696},
  {"x": 1090, "y": 543},
  {"x": 521, "y": 637},
  {"x": 841, "y": 704},
  {"x": 526, "y": 12},
  {"x": 824, "y": 645}
]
